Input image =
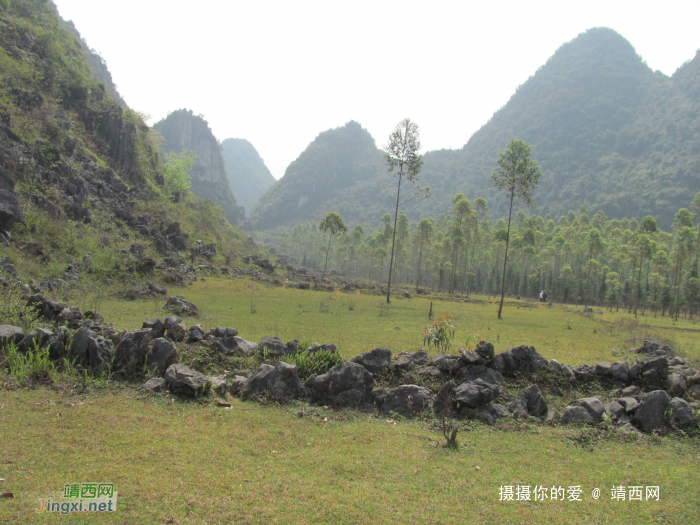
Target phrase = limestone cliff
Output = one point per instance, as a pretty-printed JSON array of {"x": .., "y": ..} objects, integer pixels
[{"x": 184, "y": 131}]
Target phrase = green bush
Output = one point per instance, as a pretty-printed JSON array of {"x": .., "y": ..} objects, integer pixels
[{"x": 309, "y": 362}]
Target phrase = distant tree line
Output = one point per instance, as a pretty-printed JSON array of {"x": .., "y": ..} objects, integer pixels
[{"x": 580, "y": 257}]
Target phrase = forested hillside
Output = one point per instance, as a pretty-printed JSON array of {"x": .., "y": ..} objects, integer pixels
[
  {"x": 246, "y": 171},
  {"x": 84, "y": 195},
  {"x": 608, "y": 132},
  {"x": 339, "y": 171}
]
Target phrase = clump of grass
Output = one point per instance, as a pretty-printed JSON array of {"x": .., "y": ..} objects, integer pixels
[
  {"x": 14, "y": 310},
  {"x": 324, "y": 309},
  {"x": 35, "y": 364},
  {"x": 313, "y": 362}
]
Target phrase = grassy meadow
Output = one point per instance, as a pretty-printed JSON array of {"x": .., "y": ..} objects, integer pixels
[
  {"x": 358, "y": 323},
  {"x": 176, "y": 461},
  {"x": 188, "y": 463}
]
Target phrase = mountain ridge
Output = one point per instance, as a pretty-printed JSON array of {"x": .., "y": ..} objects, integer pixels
[{"x": 608, "y": 132}]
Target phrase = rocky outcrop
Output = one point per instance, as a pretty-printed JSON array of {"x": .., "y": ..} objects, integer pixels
[
  {"x": 280, "y": 382},
  {"x": 185, "y": 131},
  {"x": 374, "y": 361},
  {"x": 10, "y": 207},
  {"x": 407, "y": 400},
  {"x": 346, "y": 383},
  {"x": 183, "y": 380}
]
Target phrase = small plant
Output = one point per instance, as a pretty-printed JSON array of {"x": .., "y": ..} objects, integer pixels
[
  {"x": 472, "y": 341},
  {"x": 351, "y": 306},
  {"x": 439, "y": 333},
  {"x": 317, "y": 362},
  {"x": 35, "y": 364},
  {"x": 14, "y": 310},
  {"x": 324, "y": 308}
]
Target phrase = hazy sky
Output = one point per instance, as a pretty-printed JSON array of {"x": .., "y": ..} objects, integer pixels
[{"x": 278, "y": 72}]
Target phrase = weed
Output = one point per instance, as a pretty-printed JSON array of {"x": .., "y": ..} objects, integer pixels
[
  {"x": 14, "y": 310},
  {"x": 439, "y": 333},
  {"x": 324, "y": 309},
  {"x": 313, "y": 362},
  {"x": 35, "y": 364}
]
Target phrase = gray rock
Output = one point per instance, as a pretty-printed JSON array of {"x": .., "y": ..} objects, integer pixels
[
  {"x": 431, "y": 372},
  {"x": 575, "y": 415},
  {"x": 680, "y": 413},
  {"x": 132, "y": 351},
  {"x": 603, "y": 369},
  {"x": 379, "y": 396},
  {"x": 568, "y": 372},
  {"x": 219, "y": 385},
  {"x": 614, "y": 409},
  {"x": 693, "y": 380},
  {"x": 316, "y": 347},
  {"x": 555, "y": 367},
  {"x": 675, "y": 385},
  {"x": 246, "y": 346},
  {"x": 156, "y": 325},
  {"x": 593, "y": 406},
  {"x": 474, "y": 394},
  {"x": 170, "y": 321},
  {"x": 235, "y": 384},
  {"x": 57, "y": 342},
  {"x": 468, "y": 358},
  {"x": 36, "y": 339},
  {"x": 351, "y": 398},
  {"x": 677, "y": 361},
  {"x": 444, "y": 401},
  {"x": 483, "y": 414},
  {"x": 628, "y": 428},
  {"x": 620, "y": 371},
  {"x": 375, "y": 360},
  {"x": 281, "y": 382},
  {"x": 177, "y": 332},
  {"x": 634, "y": 371},
  {"x": 497, "y": 411},
  {"x": 153, "y": 385},
  {"x": 522, "y": 359},
  {"x": 655, "y": 371},
  {"x": 195, "y": 334},
  {"x": 179, "y": 306},
  {"x": 101, "y": 353},
  {"x": 78, "y": 351},
  {"x": 407, "y": 400},
  {"x": 272, "y": 346},
  {"x": 518, "y": 408},
  {"x": 630, "y": 404},
  {"x": 161, "y": 356},
  {"x": 472, "y": 373},
  {"x": 345, "y": 376},
  {"x": 10, "y": 335},
  {"x": 651, "y": 410},
  {"x": 485, "y": 351},
  {"x": 584, "y": 373},
  {"x": 532, "y": 401},
  {"x": 408, "y": 361},
  {"x": 497, "y": 363},
  {"x": 630, "y": 391},
  {"x": 182, "y": 379}
]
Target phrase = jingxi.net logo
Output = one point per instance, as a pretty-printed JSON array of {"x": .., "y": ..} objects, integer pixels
[{"x": 82, "y": 497}]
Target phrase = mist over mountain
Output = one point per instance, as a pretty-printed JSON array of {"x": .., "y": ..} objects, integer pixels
[
  {"x": 184, "y": 131},
  {"x": 246, "y": 171},
  {"x": 607, "y": 131},
  {"x": 338, "y": 171}
]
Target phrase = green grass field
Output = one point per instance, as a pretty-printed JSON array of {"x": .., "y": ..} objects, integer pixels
[
  {"x": 557, "y": 333},
  {"x": 193, "y": 464},
  {"x": 174, "y": 461}
]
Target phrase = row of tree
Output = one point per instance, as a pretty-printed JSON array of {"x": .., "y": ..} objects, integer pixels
[{"x": 579, "y": 257}]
